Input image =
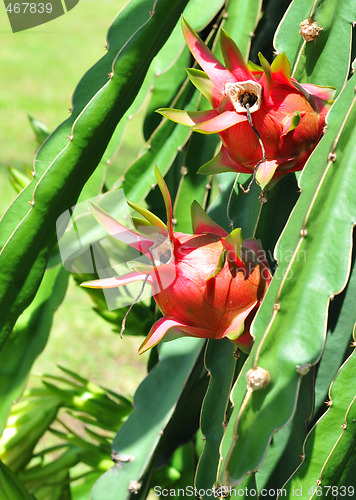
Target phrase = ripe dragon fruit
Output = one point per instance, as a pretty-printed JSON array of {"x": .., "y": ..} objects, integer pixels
[
  {"x": 268, "y": 123},
  {"x": 207, "y": 285}
]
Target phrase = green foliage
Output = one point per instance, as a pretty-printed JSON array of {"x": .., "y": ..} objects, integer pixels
[
  {"x": 29, "y": 337},
  {"x": 304, "y": 252},
  {"x": 40, "y": 130},
  {"x": 216, "y": 408},
  {"x": 155, "y": 402},
  {"x": 68, "y": 158},
  {"x": 50, "y": 409},
  {"x": 329, "y": 448},
  {"x": 10, "y": 487},
  {"x": 195, "y": 420},
  {"x": 311, "y": 62}
]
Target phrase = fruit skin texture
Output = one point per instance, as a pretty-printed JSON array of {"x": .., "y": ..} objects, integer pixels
[
  {"x": 289, "y": 117},
  {"x": 208, "y": 285},
  {"x": 209, "y": 306}
]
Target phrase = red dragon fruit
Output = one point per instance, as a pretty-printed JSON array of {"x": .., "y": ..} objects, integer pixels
[
  {"x": 207, "y": 285},
  {"x": 268, "y": 123}
]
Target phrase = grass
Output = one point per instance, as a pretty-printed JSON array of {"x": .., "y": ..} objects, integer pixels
[{"x": 40, "y": 69}]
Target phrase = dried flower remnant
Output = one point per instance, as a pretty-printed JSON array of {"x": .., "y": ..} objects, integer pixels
[
  {"x": 257, "y": 378},
  {"x": 310, "y": 30}
]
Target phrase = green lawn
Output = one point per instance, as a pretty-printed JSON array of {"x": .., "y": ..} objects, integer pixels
[{"x": 40, "y": 68}]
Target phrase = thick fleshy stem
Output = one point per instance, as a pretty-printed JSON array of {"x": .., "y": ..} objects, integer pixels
[
  {"x": 263, "y": 199},
  {"x": 123, "y": 324},
  {"x": 247, "y": 106},
  {"x": 231, "y": 222}
]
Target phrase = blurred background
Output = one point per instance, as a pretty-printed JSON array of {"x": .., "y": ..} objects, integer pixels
[{"x": 38, "y": 79}]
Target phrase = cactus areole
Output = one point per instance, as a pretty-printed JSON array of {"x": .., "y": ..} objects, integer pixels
[
  {"x": 268, "y": 123},
  {"x": 207, "y": 285}
]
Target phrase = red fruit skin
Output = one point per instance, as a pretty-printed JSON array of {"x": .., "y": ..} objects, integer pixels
[
  {"x": 199, "y": 300},
  {"x": 273, "y": 120},
  {"x": 207, "y": 285}
]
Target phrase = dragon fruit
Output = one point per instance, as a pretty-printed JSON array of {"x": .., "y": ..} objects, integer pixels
[
  {"x": 208, "y": 284},
  {"x": 268, "y": 123}
]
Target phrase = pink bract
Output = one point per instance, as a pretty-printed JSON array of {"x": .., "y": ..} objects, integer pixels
[
  {"x": 289, "y": 117},
  {"x": 208, "y": 284}
]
